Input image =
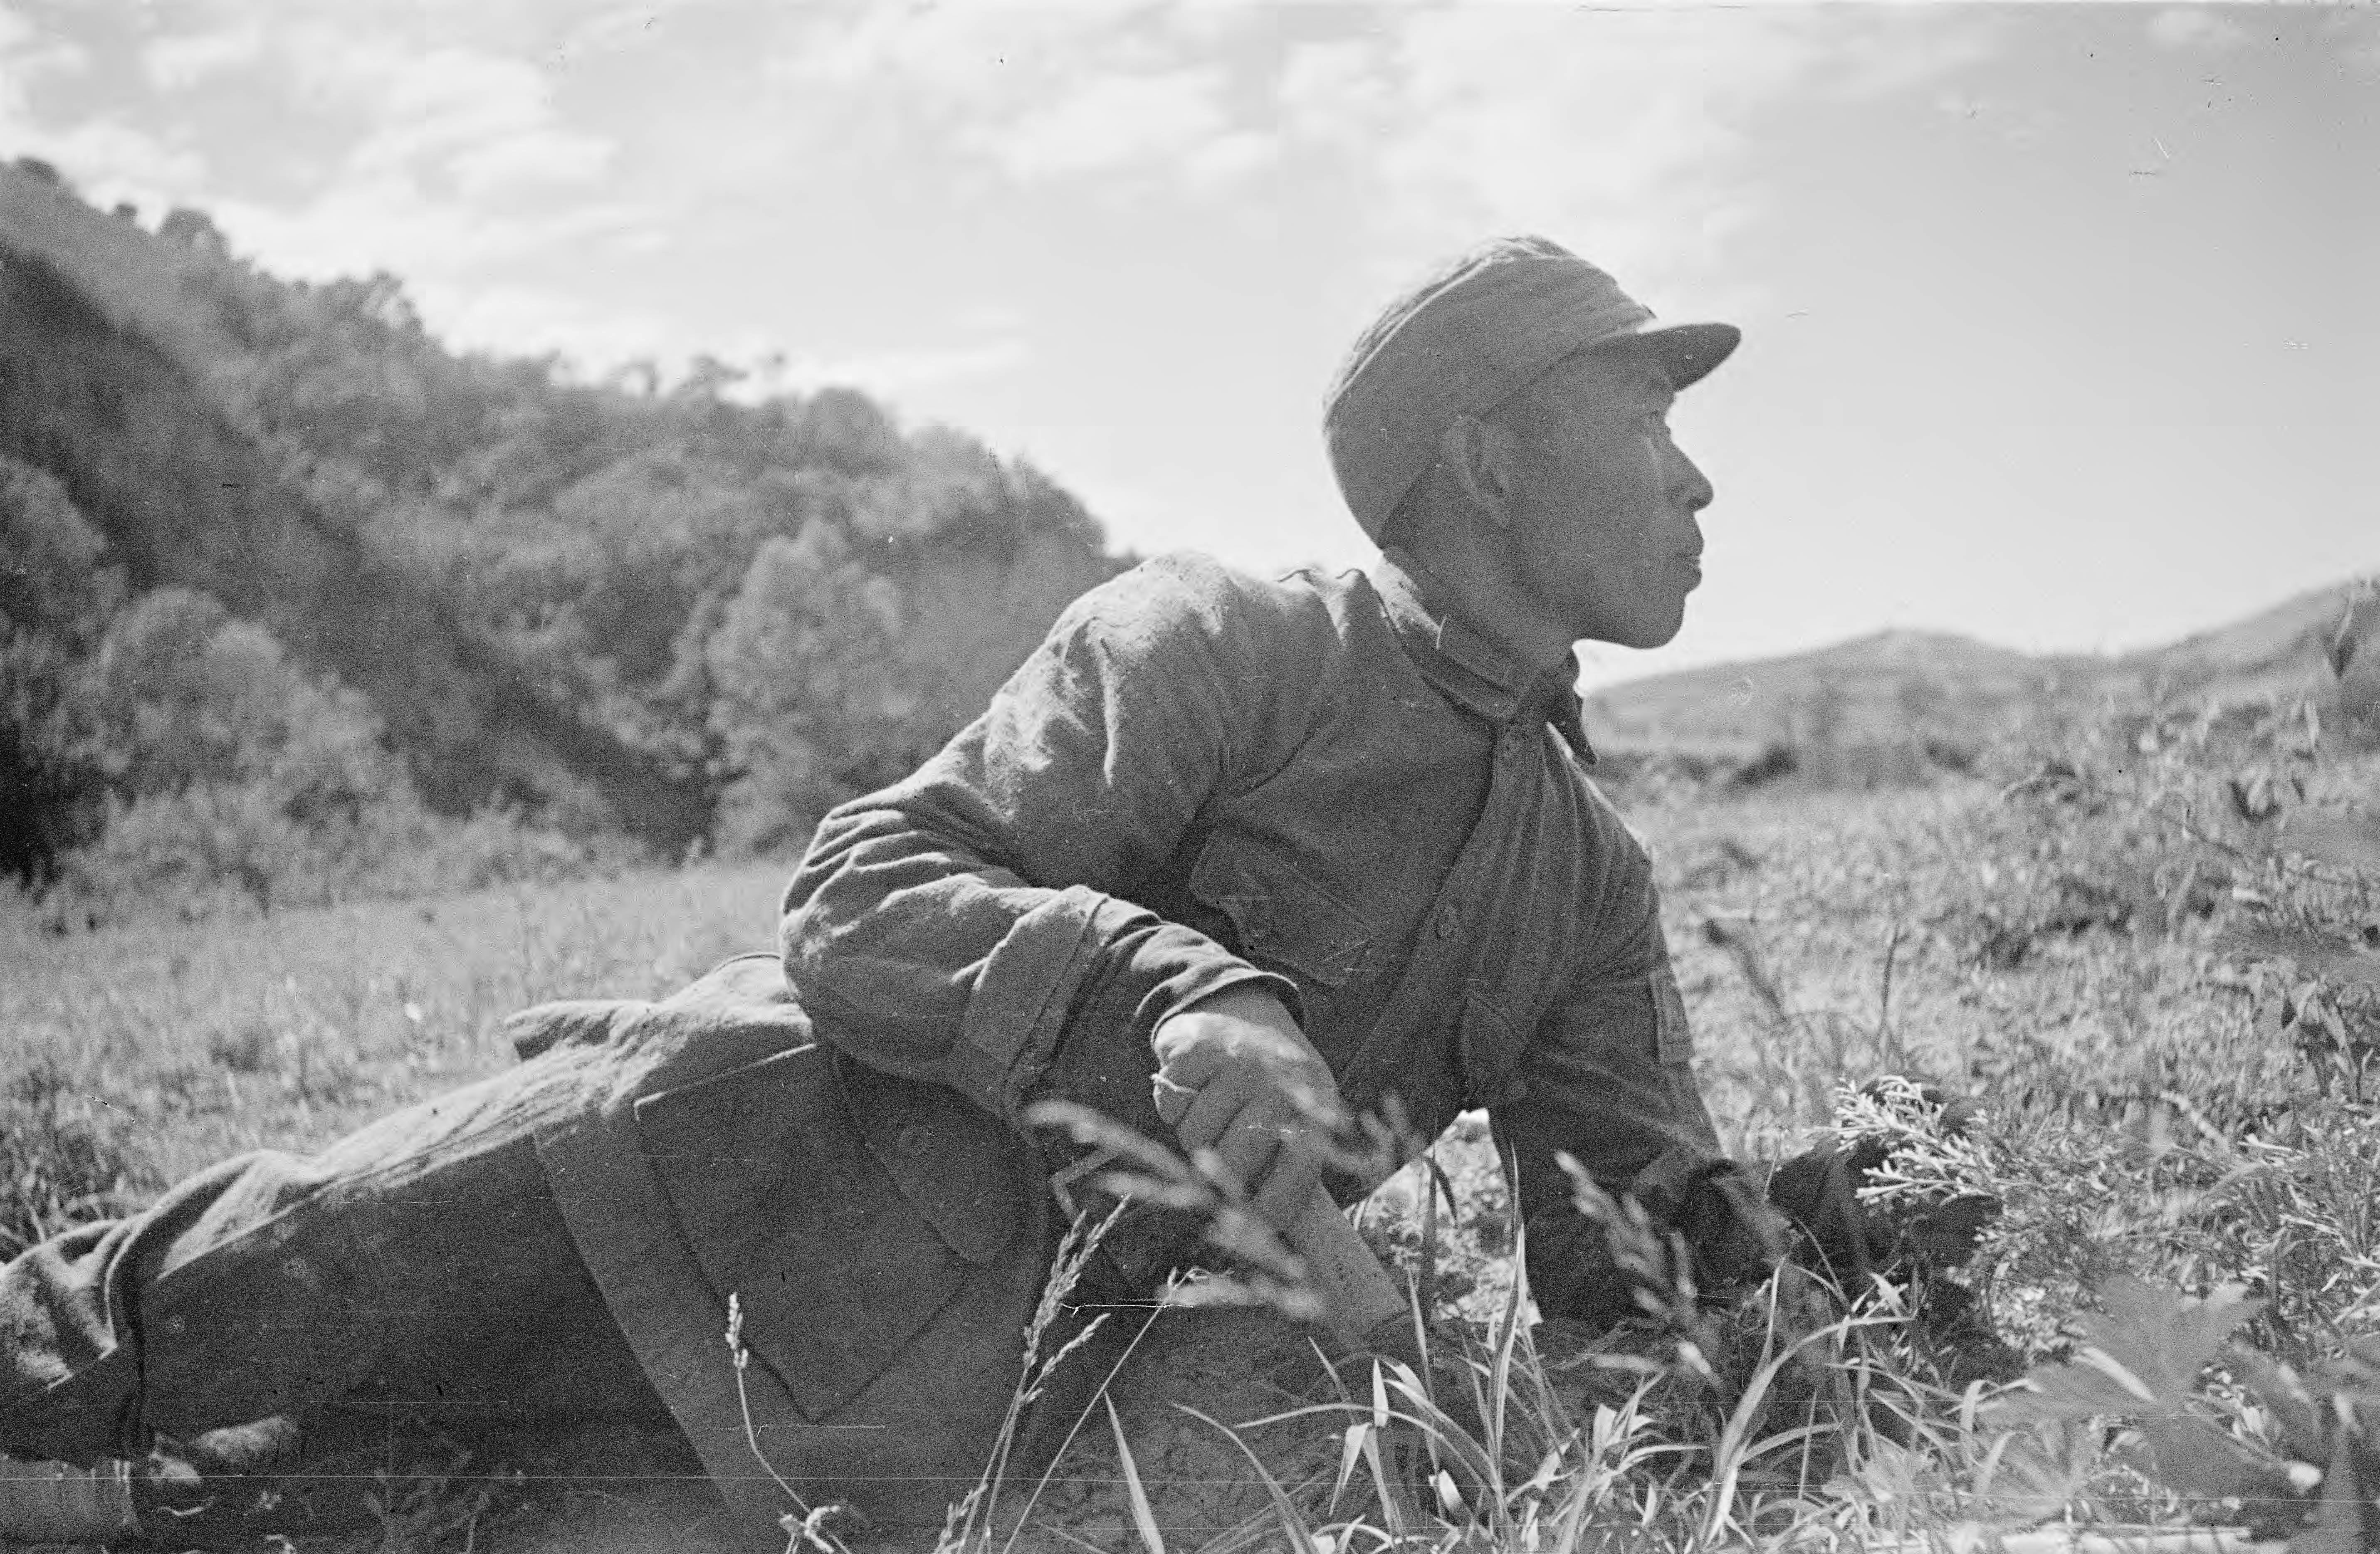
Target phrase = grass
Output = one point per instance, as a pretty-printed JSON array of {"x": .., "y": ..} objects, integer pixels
[
  {"x": 2161, "y": 993},
  {"x": 199, "y": 1040}
]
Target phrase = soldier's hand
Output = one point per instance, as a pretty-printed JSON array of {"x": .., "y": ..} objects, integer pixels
[{"x": 1236, "y": 1076}]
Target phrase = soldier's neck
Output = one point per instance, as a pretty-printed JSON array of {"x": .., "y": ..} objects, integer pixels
[{"x": 1474, "y": 585}]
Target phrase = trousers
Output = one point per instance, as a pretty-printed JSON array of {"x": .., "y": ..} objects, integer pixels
[{"x": 417, "y": 1272}]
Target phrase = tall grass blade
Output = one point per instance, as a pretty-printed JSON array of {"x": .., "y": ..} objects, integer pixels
[
  {"x": 1729, "y": 1455},
  {"x": 1144, "y": 1519},
  {"x": 1351, "y": 1452}
]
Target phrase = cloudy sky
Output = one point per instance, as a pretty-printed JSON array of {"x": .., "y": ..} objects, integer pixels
[{"x": 2060, "y": 329}]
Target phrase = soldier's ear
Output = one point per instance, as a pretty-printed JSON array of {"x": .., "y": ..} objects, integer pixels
[{"x": 1478, "y": 453}]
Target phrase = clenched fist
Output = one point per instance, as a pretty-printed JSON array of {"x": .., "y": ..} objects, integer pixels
[{"x": 1235, "y": 1075}]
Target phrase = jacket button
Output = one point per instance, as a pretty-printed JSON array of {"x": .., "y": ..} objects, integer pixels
[
  {"x": 1450, "y": 917},
  {"x": 912, "y": 1139}
]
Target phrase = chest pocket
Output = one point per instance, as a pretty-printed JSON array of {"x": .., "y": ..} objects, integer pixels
[{"x": 1285, "y": 920}]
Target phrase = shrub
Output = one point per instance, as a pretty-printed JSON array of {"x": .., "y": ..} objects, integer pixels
[
  {"x": 53, "y": 764},
  {"x": 242, "y": 848},
  {"x": 55, "y": 600},
  {"x": 215, "y": 775},
  {"x": 187, "y": 693},
  {"x": 813, "y": 703}
]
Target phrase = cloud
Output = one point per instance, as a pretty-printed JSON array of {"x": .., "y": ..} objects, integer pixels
[
  {"x": 1047, "y": 91},
  {"x": 2199, "y": 28},
  {"x": 27, "y": 56},
  {"x": 106, "y": 158},
  {"x": 1604, "y": 130},
  {"x": 445, "y": 156},
  {"x": 1616, "y": 125},
  {"x": 111, "y": 160},
  {"x": 989, "y": 54},
  {"x": 429, "y": 143},
  {"x": 436, "y": 142},
  {"x": 361, "y": 224},
  {"x": 486, "y": 120},
  {"x": 1334, "y": 91},
  {"x": 1175, "y": 117},
  {"x": 534, "y": 321},
  {"x": 621, "y": 27},
  {"x": 179, "y": 61},
  {"x": 1625, "y": 132},
  {"x": 530, "y": 157}
]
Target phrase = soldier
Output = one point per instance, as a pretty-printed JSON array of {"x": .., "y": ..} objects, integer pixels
[
  {"x": 1229, "y": 859},
  {"x": 1313, "y": 842}
]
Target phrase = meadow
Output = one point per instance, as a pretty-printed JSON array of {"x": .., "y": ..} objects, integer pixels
[{"x": 2147, "y": 949}]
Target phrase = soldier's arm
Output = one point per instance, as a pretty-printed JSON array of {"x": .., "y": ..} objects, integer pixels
[
  {"x": 961, "y": 924},
  {"x": 1610, "y": 1081}
]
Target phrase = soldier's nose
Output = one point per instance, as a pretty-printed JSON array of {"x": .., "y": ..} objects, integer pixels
[{"x": 1690, "y": 485}]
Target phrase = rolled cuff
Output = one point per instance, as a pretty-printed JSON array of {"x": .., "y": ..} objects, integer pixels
[
  {"x": 1019, "y": 1004},
  {"x": 1084, "y": 970}
]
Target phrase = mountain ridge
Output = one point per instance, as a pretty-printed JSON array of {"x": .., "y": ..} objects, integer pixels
[{"x": 1908, "y": 685}]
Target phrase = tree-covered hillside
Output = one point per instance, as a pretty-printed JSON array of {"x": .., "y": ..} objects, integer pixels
[{"x": 619, "y": 613}]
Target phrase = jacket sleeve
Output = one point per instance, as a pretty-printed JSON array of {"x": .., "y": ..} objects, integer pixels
[
  {"x": 1608, "y": 1074},
  {"x": 965, "y": 923},
  {"x": 1610, "y": 1081}
]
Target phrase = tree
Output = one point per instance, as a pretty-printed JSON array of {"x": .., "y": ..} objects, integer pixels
[
  {"x": 56, "y": 597},
  {"x": 843, "y": 430},
  {"x": 813, "y": 704},
  {"x": 186, "y": 695},
  {"x": 52, "y": 770},
  {"x": 52, "y": 576},
  {"x": 187, "y": 229}
]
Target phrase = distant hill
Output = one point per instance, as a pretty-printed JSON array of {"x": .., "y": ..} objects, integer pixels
[{"x": 1904, "y": 689}]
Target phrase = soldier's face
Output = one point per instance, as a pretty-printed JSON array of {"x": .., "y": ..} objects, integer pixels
[{"x": 1603, "y": 502}]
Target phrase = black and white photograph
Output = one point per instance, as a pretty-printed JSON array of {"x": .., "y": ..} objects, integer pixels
[{"x": 1189, "y": 777}]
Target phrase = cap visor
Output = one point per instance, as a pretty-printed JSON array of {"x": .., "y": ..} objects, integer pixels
[{"x": 1686, "y": 351}]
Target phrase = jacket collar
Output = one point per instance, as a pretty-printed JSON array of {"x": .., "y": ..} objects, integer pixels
[{"x": 1467, "y": 666}]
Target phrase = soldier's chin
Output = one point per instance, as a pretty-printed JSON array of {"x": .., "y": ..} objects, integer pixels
[{"x": 1654, "y": 629}]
